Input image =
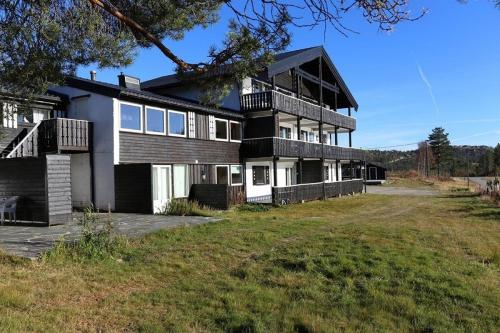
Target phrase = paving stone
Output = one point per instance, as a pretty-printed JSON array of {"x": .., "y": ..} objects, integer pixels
[{"x": 27, "y": 240}]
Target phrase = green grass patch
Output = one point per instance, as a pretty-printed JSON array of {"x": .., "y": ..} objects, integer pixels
[{"x": 365, "y": 263}]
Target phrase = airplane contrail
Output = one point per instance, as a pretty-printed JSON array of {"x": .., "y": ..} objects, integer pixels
[{"x": 428, "y": 84}]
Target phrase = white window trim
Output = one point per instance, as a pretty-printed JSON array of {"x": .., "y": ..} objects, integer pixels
[
  {"x": 231, "y": 175},
  {"x": 185, "y": 124},
  {"x": 227, "y": 129},
  {"x": 228, "y": 173},
  {"x": 173, "y": 181},
  {"x": 141, "y": 116},
  {"x": 146, "y": 120}
]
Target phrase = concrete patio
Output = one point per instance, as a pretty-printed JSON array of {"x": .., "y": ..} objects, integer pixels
[{"x": 29, "y": 240}]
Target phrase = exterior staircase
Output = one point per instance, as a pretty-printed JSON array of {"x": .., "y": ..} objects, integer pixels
[{"x": 10, "y": 138}]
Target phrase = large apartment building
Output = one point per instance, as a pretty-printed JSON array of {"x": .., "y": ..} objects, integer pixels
[{"x": 280, "y": 137}]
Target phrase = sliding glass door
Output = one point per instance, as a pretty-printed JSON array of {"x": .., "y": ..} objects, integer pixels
[{"x": 162, "y": 187}]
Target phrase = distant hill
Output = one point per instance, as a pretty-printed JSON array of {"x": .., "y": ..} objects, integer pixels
[{"x": 396, "y": 160}]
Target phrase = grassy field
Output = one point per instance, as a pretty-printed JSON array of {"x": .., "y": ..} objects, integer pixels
[{"x": 363, "y": 263}]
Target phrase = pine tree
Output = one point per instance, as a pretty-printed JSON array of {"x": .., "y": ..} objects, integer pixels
[{"x": 440, "y": 147}]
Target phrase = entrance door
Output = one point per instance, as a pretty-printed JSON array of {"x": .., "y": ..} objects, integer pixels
[
  {"x": 373, "y": 173},
  {"x": 162, "y": 187}
]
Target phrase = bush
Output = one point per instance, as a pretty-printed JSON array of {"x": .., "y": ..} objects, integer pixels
[
  {"x": 253, "y": 208},
  {"x": 182, "y": 207},
  {"x": 97, "y": 240}
]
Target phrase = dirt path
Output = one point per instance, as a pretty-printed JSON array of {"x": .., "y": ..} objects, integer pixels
[{"x": 401, "y": 191}]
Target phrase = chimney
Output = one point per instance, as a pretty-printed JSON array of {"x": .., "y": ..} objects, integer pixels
[
  {"x": 93, "y": 75},
  {"x": 130, "y": 82}
]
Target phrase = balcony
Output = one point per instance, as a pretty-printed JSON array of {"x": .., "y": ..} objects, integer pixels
[
  {"x": 273, "y": 100},
  {"x": 58, "y": 135},
  {"x": 267, "y": 147},
  {"x": 315, "y": 191}
]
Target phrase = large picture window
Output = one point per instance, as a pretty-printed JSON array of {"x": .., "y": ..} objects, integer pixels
[
  {"x": 181, "y": 181},
  {"x": 155, "y": 120},
  {"x": 222, "y": 174},
  {"x": 176, "y": 123},
  {"x": 235, "y": 131},
  {"x": 131, "y": 117},
  {"x": 236, "y": 175},
  {"x": 260, "y": 175},
  {"x": 221, "y": 130}
]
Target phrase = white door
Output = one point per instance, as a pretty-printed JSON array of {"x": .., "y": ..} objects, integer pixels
[{"x": 162, "y": 187}]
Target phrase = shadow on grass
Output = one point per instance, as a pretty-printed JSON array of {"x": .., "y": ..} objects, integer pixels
[{"x": 473, "y": 206}]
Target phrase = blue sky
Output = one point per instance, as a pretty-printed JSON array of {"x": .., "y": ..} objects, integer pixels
[{"x": 443, "y": 70}]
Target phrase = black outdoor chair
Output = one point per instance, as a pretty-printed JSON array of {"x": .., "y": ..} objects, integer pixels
[{"x": 8, "y": 205}]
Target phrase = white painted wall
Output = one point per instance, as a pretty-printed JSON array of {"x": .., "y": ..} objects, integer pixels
[
  {"x": 99, "y": 109},
  {"x": 81, "y": 180},
  {"x": 258, "y": 190}
]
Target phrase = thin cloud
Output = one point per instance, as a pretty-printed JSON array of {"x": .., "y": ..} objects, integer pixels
[
  {"x": 429, "y": 86},
  {"x": 476, "y": 135}
]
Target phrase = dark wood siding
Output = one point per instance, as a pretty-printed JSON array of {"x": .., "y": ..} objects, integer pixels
[
  {"x": 217, "y": 196},
  {"x": 44, "y": 185},
  {"x": 133, "y": 191},
  {"x": 58, "y": 184},
  {"x": 142, "y": 148},
  {"x": 25, "y": 178},
  {"x": 196, "y": 172}
]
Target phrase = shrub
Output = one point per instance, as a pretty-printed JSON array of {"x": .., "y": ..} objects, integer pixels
[
  {"x": 97, "y": 240},
  {"x": 248, "y": 207},
  {"x": 182, "y": 207}
]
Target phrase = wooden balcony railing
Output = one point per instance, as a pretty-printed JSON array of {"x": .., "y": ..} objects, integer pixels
[
  {"x": 269, "y": 100},
  {"x": 64, "y": 135},
  {"x": 267, "y": 147},
  {"x": 314, "y": 191},
  {"x": 54, "y": 136}
]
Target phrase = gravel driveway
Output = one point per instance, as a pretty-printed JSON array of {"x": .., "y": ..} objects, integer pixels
[{"x": 400, "y": 191}]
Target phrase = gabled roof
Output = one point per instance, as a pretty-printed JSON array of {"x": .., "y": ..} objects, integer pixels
[
  {"x": 10, "y": 92},
  {"x": 116, "y": 91},
  {"x": 282, "y": 63},
  {"x": 295, "y": 58}
]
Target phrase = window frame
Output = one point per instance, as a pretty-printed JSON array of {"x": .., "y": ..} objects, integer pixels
[
  {"x": 228, "y": 173},
  {"x": 141, "y": 117},
  {"x": 287, "y": 130},
  {"x": 146, "y": 107},
  {"x": 267, "y": 176},
  {"x": 185, "y": 124},
  {"x": 231, "y": 174},
  {"x": 186, "y": 179},
  {"x": 227, "y": 129}
]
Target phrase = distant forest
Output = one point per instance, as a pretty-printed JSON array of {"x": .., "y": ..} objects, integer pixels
[{"x": 481, "y": 160}]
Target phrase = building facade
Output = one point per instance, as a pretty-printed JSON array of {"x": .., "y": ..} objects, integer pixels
[{"x": 282, "y": 136}]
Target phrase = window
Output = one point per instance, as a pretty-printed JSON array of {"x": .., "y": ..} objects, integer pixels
[
  {"x": 181, "y": 181},
  {"x": 312, "y": 137},
  {"x": 260, "y": 175},
  {"x": 285, "y": 132},
  {"x": 221, "y": 174},
  {"x": 326, "y": 171},
  {"x": 155, "y": 120},
  {"x": 176, "y": 123},
  {"x": 236, "y": 175},
  {"x": 131, "y": 117},
  {"x": 304, "y": 136},
  {"x": 288, "y": 176},
  {"x": 221, "y": 130},
  {"x": 235, "y": 131}
]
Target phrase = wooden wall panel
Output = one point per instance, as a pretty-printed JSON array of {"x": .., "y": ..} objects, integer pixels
[
  {"x": 58, "y": 185},
  {"x": 142, "y": 148}
]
